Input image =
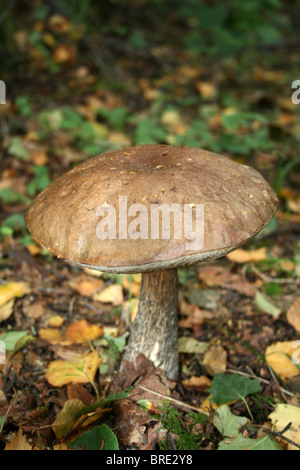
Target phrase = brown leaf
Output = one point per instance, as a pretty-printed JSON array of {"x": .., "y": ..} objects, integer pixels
[
  {"x": 221, "y": 276},
  {"x": 215, "y": 359},
  {"x": 197, "y": 383},
  {"x": 18, "y": 443},
  {"x": 112, "y": 294},
  {"x": 86, "y": 286},
  {"x": 293, "y": 314}
]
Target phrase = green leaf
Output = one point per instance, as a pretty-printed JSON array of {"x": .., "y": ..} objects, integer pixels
[
  {"x": 118, "y": 344},
  {"x": 40, "y": 181},
  {"x": 21, "y": 343},
  {"x": 227, "y": 423},
  {"x": 229, "y": 387},
  {"x": 266, "y": 306},
  {"x": 100, "y": 437},
  {"x": 10, "y": 338},
  {"x": 244, "y": 443},
  {"x": 14, "y": 221},
  {"x": 10, "y": 196},
  {"x": 15, "y": 147}
]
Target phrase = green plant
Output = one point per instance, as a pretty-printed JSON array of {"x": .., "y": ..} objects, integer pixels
[{"x": 183, "y": 426}]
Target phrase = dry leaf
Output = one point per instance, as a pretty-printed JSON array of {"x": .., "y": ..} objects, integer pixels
[
  {"x": 197, "y": 383},
  {"x": 293, "y": 314},
  {"x": 56, "y": 321},
  {"x": 6, "y": 310},
  {"x": 53, "y": 336},
  {"x": 82, "y": 331},
  {"x": 222, "y": 277},
  {"x": 206, "y": 89},
  {"x": 248, "y": 256},
  {"x": 280, "y": 356},
  {"x": 282, "y": 416},
  {"x": 18, "y": 443},
  {"x": 86, "y": 286},
  {"x": 81, "y": 370},
  {"x": 112, "y": 294},
  {"x": 132, "y": 285},
  {"x": 12, "y": 290},
  {"x": 215, "y": 359}
]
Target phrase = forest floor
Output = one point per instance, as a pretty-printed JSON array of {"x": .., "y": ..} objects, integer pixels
[{"x": 239, "y": 317}]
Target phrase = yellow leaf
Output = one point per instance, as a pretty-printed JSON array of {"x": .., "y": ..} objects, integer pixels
[
  {"x": 293, "y": 314},
  {"x": 12, "y": 290},
  {"x": 82, "y": 331},
  {"x": 82, "y": 370},
  {"x": 248, "y": 256},
  {"x": 282, "y": 416},
  {"x": 6, "y": 310},
  {"x": 55, "y": 321},
  {"x": 112, "y": 294},
  {"x": 53, "y": 336},
  {"x": 206, "y": 405},
  {"x": 280, "y": 358},
  {"x": 18, "y": 443}
]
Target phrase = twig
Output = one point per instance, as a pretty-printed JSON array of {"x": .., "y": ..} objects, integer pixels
[
  {"x": 260, "y": 379},
  {"x": 281, "y": 436},
  {"x": 278, "y": 280},
  {"x": 178, "y": 402}
]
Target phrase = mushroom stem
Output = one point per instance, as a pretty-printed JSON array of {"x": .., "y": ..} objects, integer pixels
[{"x": 154, "y": 332}]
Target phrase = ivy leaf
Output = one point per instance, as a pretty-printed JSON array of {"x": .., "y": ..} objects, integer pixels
[{"x": 230, "y": 387}]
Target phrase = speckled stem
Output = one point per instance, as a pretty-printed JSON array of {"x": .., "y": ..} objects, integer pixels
[{"x": 154, "y": 332}]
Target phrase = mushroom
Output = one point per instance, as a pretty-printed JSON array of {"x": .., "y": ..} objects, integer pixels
[{"x": 150, "y": 209}]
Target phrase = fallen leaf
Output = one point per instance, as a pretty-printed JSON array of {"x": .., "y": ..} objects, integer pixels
[
  {"x": 215, "y": 359},
  {"x": 279, "y": 357},
  {"x": 86, "y": 286},
  {"x": 56, "y": 321},
  {"x": 188, "y": 344},
  {"x": 53, "y": 336},
  {"x": 220, "y": 276},
  {"x": 67, "y": 417},
  {"x": 82, "y": 370},
  {"x": 34, "y": 311},
  {"x": 206, "y": 89},
  {"x": 12, "y": 290},
  {"x": 82, "y": 331},
  {"x": 265, "y": 305},
  {"x": 6, "y": 310},
  {"x": 282, "y": 416},
  {"x": 227, "y": 423},
  {"x": 293, "y": 314},
  {"x": 196, "y": 383},
  {"x": 247, "y": 256},
  {"x": 18, "y": 443},
  {"x": 112, "y": 294}
]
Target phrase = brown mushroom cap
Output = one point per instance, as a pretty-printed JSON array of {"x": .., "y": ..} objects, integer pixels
[{"x": 237, "y": 201}]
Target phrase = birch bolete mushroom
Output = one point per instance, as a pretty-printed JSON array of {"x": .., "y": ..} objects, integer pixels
[{"x": 150, "y": 209}]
